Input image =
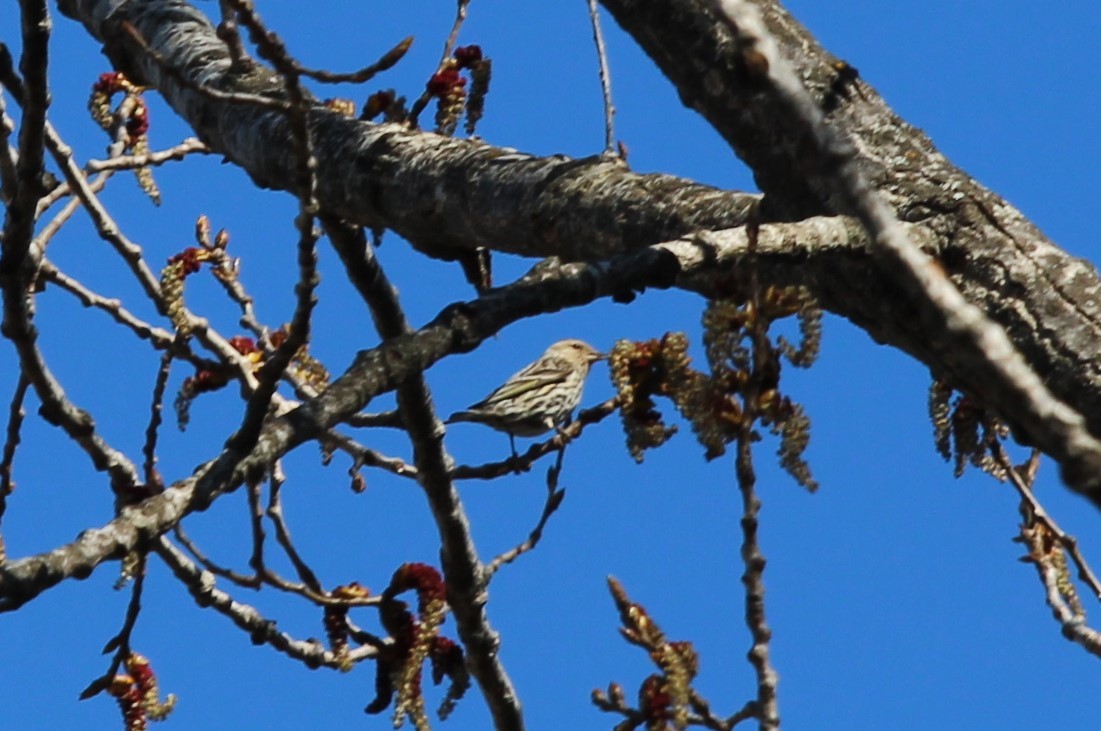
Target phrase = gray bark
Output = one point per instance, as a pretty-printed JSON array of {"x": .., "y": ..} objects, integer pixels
[{"x": 442, "y": 193}]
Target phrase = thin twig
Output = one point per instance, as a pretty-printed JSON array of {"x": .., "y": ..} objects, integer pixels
[
  {"x": 272, "y": 48},
  {"x": 106, "y": 226},
  {"x": 552, "y": 503},
  {"x": 268, "y": 577},
  {"x": 228, "y": 33},
  {"x": 283, "y": 534},
  {"x": 159, "y": 338},
  {"x": 120, "y": 643},
  {"x": 154, "y": 158},
  {"x": 448, "y": 49},
  {"x": 390, "y": 419},
  {"x": 260, "y": 629},
  {"x": 453, "y": 36},
  {"x": 768, "y": 712},
  {"x": 249, "y": 582},
  {"x": 47, "y": 232},
  {"x": 149, "y": 449},
  {"x": 256, "y": 522},
  {"x": 524, "y": 462},
  {"x": 605, "y": 80},
  {"x": 8, "y": 154},
  {"x": 119, "y": 162},
  {"x": 11, "y": 442},
  {"x": 386, "y": 61},
  {"x": 1023, "y": 485},
  {"x": 366, "y": 457}
]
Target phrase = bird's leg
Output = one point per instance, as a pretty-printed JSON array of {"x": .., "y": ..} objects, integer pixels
[
  {"x": 512, "y": 446},
  {"x": 560, "y": 429}
]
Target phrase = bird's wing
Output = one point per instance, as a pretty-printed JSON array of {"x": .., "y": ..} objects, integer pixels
[{"x": 529, "y": 379}]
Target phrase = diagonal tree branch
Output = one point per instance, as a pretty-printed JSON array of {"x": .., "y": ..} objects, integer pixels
[
  {"x": 1000, "y": 374},
  {"x": 463, "y": 569},
  {"x": 429, "y": 188},
  {"x": 432, "y": 190},
  {"x": 458, "y": 328},
  {"x": 999, "y": 262}
]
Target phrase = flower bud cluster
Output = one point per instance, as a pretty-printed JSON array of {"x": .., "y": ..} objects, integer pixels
[
  {"x": 448, "y": 87},
  {"x": 416, "y": 639},
  {"x": 138, "y": 695},
  {"x": 741, "y": 388},
  {"x": 666, "y": 696},
  {"x": 964, "y": 430},
  {"x": 336, "y": 622},
  {"x": 128, "y": 122}
]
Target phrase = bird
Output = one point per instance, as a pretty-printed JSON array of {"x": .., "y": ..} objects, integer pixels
[{"x": 540, "y": 396}]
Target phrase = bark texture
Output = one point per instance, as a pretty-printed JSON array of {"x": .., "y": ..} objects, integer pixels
[
  {"x": 601, "y": 231},
  {"x": 442, "y": 193}
]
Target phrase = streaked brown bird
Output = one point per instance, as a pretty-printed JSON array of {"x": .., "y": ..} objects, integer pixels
[{"x": 539, "y": 397}]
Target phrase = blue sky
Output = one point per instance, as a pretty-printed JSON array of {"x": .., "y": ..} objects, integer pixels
[{"x": 894, "y": 593}]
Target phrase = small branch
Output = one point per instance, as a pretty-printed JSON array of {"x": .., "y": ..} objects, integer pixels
[
  {"x": 366, "y": 73},
  {"x": 766, "y": 705},
  {"x": 249, "y": 582},
  {"x": 390, "y": 419},
  {"x": 767, "y": 709},
  {"x": 271, "y": 48},
  {"x": 553, "y": 501},
  {"x": 11, "y": 443},
  {"x": 228, "y": 33},
  {"x": 366, "y": 457},
  {"x": 33, "y": 94},
  {"x": 463, "y": 570},
  {"x": 1048, "y": 547},
  {"x": 159, "y": 338},
  {"x": 524, "y": 462},
  {"x": 256, "y": 521},
  {"x": 448, "y": 49},
  {"x": 125, "y": 162},
  {"x": 283, "y": 535},
  {"x": 1037, "y": 513},
  {"x": 16, "y": 413},
  {"x": 313, "y": 591},
  {"x": 47, "y": 233},
  {"x": 155, "y": 158},
  {"x": 453, "y": 36},
  {"x": 105, "y": 224},
  {"x": 8, "y": 154},
  {"x": 1073, "y": 623},
  {"x": 149, "y": 449},
  {"x": 260, "y": 629},
  {"x": 121, "y": 641},
  {"x": 605, "y": 80}
]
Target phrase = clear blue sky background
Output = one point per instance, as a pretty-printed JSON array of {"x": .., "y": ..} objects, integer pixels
[{"x": 895, "y": 592}]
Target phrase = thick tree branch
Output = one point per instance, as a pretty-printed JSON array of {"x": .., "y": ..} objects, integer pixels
[
  {"x": 997, "y": 372},
  {"x": 434, "y": 191},
  {"x": 460, "y": 194},
  {"x": 463, "y": 570},
  {"x": 1047, "y": 300}
]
